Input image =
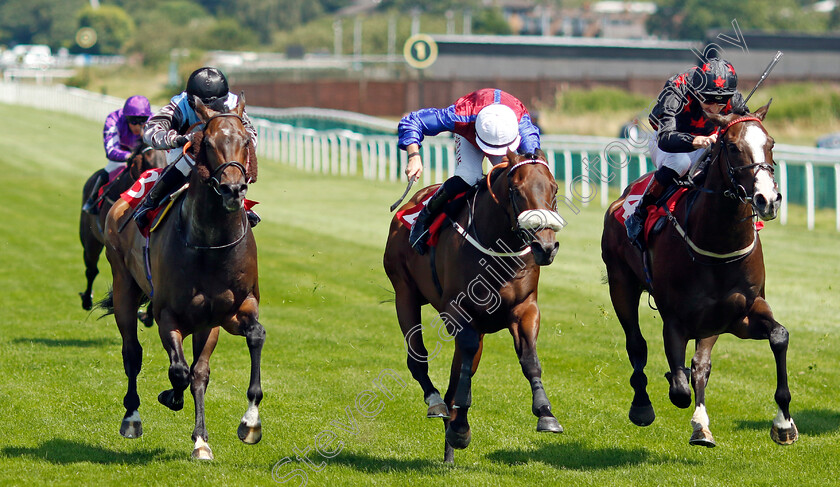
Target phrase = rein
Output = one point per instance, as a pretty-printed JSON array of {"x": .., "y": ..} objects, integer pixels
[
  {"x": 473, "y": 240},
  {"x": 738, "y": 192}
]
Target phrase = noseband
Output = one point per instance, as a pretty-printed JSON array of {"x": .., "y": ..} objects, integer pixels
[{"x": 738, "y": 191}]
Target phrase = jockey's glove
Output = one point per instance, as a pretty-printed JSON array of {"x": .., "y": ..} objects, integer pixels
[{"x": 181, "y": 140}]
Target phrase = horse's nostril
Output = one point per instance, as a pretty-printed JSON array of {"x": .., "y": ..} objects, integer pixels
[
  {"x": 760, "y": 200},
  {"x": 778, "y": 197}
]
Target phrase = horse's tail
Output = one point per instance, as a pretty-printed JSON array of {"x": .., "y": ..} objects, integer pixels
[{"x": 106, "y": 304}]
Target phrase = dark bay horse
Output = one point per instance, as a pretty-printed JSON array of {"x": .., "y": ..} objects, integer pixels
[
  {"x": 143, "y": 157},
  {"x": 707, "y": 279},
  {"x": 477, "y": 290},
  {"x": 202, "y": 264}
]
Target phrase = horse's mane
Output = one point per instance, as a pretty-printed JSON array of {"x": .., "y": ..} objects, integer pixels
[{"x": 200, "y": 157}]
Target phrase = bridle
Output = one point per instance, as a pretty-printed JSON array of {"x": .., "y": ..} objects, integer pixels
[
  {"x": 523, "y": 222},
  {"x": 215, "y": 178},
  {"x": 737, "y": 191}
]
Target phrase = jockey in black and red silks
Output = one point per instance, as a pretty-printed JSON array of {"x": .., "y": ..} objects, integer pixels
[{"x": 682, "y": 131}]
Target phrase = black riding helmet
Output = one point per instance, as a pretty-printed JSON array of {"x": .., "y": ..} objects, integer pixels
[
  {"x": 715, "y": 81},
  {"x": 209, "y": 85}
]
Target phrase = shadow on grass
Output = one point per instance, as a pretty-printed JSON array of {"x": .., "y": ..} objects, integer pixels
[
  {"x": 71, "y": 342},
  {"x": 66, "y": 451},
  {"x": 578, "y": 456},
  {"x": 812, "y": 422},
  {"x": 372, "y": 464}
]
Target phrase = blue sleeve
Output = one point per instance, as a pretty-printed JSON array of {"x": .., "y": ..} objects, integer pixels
[
  {"x": 530, "y": 135},
  {"x": 428, "y": 121}
]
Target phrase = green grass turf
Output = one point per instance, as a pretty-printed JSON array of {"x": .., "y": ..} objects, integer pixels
[{"x": 331, "y": 331}]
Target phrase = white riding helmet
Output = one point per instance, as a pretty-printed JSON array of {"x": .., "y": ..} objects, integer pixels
[{"x": 497, "y": 129}]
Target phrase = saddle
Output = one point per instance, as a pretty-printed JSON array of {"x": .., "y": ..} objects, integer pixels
[{"x": 407, "y": 216}]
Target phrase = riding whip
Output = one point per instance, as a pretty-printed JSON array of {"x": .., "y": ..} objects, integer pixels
[{"x": 407, "y": 188}]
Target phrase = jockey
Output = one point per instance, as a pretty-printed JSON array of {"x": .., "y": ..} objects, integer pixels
[
  {"x": 167, "y": 129},
  {"x": 122, "y": 133},
  {"x": 486, "y": 122},
  {"x": 683, "y": 132}
]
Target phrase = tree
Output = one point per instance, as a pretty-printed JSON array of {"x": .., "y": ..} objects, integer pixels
[
  {"x": 113, "y": 28},
  {"x": 691, "y": 19},
  {"x": 39, "y": 22}
]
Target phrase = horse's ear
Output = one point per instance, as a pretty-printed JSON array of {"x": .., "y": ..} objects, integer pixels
[
  {"x": 762, "y": 112},
  {"x": 510, "y": 156},
  {"x": 202, "y": 110},
  {"x": 540, "y": 154},
  {"x": 240, "y": 104}
]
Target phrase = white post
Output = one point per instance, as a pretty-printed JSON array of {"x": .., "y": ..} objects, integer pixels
[
  {"x": 567, "y": 171},
  {"x": 624, "y": 173},
  {"x": 837, "y": 197},
  {"x": 809, "y": 193},
  {"x": 783, "y": 187},
  {"x": 605, "y": 180},
  {"x": 394, "y": 161}
]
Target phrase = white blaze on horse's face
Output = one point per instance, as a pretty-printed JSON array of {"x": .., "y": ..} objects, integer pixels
[{"x": 766, "y": 198}]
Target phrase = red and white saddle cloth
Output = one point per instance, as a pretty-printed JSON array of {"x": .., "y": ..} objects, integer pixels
[
  {"x": 409, "y": 215},
  {"x": 654, "y": 213},
  {"x": 135, "y": 194}
]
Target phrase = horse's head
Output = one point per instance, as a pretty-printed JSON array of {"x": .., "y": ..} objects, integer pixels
[
  {"x": 222, "y": 153},
  {"x": 529, "y": 195},
  {"x": 745, "y": 156},
  {"x": 143, "y": 158}
]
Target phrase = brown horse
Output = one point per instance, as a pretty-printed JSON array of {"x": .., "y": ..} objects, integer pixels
[
  {"x": 707, "y": 279},
  {"x": 477, "y": 290},
  {"x": 143, "y": 157},
  {"x": 202, "y": 265}
]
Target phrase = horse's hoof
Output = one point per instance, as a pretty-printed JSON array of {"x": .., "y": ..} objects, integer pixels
[
  {"x": 438, "y": 411},
  {"x": 167, "y": 398},
  {"x": 131, "y": 429},
  {"x": 456, "y": 440},
  {"x": 87, "y": 301},
  {"x": 642, "y": 415},
  {"x": 702, "y": 437},
  {"x": 549, "y": 424},
  {"x": 448, "y": 454},
  {"x": 249, "y": 434},
  {"x": 680, "y": 399},
  {"x": 146, "y": 318},
  {"x": 785, "y": 436},
  {"x": 202, "y": 452}
]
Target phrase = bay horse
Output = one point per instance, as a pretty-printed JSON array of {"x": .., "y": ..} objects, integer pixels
[
  {"x": 706, "y": 279},
  {"x": 202, "y": 274},
  {"x": 477, "y": 290},
  {"x": 143, "y": 157}
]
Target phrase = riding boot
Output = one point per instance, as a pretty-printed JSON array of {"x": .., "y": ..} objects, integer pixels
[
  {"x": 663, "y": 178},
  {"x": 253, "y": 218},
  {"x": 419, "y": 230},
  {"x": 170, "y": 180},
  {"x": 90, "y": 205}
]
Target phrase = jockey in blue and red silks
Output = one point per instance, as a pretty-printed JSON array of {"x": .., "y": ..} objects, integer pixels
[
  {"x": 683, "y": 132},
  {"x": 486, "y": 122},
  {"x": 122, "y": 133}
]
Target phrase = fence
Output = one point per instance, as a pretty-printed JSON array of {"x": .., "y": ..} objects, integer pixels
[{"x": 588, "y": 166}]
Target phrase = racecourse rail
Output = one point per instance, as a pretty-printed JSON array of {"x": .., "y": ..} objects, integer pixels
[{"x": 588, "y": 166}]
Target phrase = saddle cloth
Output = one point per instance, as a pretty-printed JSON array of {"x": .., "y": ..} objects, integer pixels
[
  {"x": 408, "y": 216},
  {"x": 134, "y": 195}
]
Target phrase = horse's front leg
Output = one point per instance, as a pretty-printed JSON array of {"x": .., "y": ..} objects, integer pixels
[
  {"x": 675, "y": 342},
  {"x": 204, "y": 342},
  {"x": 525, "y": 331},
  {"x": 179, "y": 371},
  {"x": 701, "y": 367},
  {"x": 458, "y": 433},
  {"x": 246, "y": 324},
  {"x": 762, "y": 325}
]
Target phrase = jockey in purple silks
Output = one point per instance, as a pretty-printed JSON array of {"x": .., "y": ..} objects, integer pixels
[
  {"x": 122, "y": 133},
  {"x": 486, "y": 123},
  {"x": 167, "y": 130}
]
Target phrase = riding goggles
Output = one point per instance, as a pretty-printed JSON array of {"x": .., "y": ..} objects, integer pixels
[{"x": 137, "y": 120}]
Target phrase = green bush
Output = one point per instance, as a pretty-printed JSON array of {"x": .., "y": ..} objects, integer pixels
[{"x": 600, "y": 100}]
